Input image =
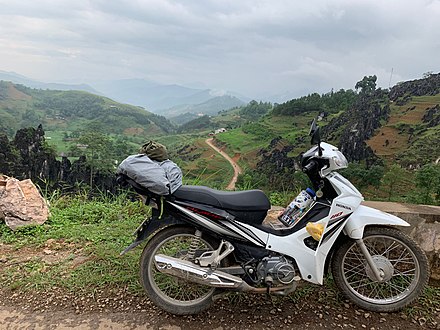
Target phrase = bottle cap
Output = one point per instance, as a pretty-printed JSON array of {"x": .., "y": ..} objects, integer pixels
[{"x": 311, "y": 192}]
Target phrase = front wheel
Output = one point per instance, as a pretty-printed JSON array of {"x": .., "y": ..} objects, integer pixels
[{"x": 401, "y": 262}]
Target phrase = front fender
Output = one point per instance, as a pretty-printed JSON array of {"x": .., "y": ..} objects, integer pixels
[{"x": 366, "y": 216}]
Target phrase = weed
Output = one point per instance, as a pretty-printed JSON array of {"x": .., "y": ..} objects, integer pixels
[
  {"x": 301, "y": 293},
  {"x": 428, "y": 305}
]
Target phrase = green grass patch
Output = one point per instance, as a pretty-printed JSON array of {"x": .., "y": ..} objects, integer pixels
[{"x": 88, "y": 236}]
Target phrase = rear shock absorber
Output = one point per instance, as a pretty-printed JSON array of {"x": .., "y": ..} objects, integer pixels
[{"x": 194, "y": 245}]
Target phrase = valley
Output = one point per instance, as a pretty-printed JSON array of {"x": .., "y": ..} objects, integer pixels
[{"x": 373, "y": 128}]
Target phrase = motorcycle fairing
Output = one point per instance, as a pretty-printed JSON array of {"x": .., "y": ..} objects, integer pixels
[
  {"x": 216, "y": 226},
  {"x": 310, "y": 261},
  {"x": 364, "y": 216}
]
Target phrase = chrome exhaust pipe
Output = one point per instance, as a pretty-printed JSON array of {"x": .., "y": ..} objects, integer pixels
[{"x": 193, "y": 273}]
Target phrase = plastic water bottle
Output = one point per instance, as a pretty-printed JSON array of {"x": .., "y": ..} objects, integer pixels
[{"x": 297, "y": 207}]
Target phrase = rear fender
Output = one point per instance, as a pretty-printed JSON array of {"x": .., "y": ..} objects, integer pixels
[
  {"x": 366, "y": 216},
  {"x": 150, "y": 226}
]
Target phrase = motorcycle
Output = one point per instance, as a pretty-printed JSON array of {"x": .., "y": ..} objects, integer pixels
[{"x": 202, "y": 241}]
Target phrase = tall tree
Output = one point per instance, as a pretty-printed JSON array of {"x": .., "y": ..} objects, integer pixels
[
  {"x": 367, "y": 85},
  {"x": 97, "y": 148}
]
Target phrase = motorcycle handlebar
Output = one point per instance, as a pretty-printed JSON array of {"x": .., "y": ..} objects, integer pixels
[{"x": 310, "y": 166}]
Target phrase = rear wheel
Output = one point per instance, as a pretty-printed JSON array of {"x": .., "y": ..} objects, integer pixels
[
  {"x": 402, "y": 263},
  {"x": 168, "y": 292}
]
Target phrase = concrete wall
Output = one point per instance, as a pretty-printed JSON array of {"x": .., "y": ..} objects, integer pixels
[{"x": 425, "y": 228}]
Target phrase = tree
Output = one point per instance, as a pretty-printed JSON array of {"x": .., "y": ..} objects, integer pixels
[
  {"x": 97, "y": 148},
  {"x": 367, "y": 85},
  {"x": 428, "y": 184},
  {"x": 362, "y": 176},
  {"x": 392, "y": 178},
  {"x": 427, "y": 74}
]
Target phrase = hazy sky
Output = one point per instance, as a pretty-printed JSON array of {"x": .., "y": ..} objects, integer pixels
[{"x": 256, "y": 47}]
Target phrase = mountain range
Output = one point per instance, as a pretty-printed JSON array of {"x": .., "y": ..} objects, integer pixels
[
  {"x": 167, "y": 100},
  {"x": 19, "y": 79}
]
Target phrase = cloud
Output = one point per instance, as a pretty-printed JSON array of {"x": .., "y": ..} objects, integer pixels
[{"x": 257, "y": 47}]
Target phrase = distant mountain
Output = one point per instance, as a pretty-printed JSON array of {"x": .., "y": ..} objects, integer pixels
[
  {"x": 148, "y": 94},
  {"x": 183, "y": 118},
  {"x": 62, "y": 111},
  {"x": 209, "y": 107},
  {"x": 19, "y": 79},
  {"x": 159, "y": 98}
]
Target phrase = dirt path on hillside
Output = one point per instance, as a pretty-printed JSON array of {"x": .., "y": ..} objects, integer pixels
[{"x": 235, "y": 166}]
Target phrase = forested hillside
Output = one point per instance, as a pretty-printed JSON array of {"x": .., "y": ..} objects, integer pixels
[
  {"x": 391, "y": 137},
  {"x": 69, "y": 111}
]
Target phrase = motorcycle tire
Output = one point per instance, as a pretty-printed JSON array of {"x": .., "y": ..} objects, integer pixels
[
  {"x": 172, "y": 294},
  {"x": 400, "y": 260}
]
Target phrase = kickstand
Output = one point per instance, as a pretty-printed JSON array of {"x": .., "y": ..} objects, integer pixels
[{"x": 269, "y": 286}]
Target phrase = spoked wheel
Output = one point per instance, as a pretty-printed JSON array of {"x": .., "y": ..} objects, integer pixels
[
  {"x": 401, "y": 262},
  {"x": 168, "y": 292}
]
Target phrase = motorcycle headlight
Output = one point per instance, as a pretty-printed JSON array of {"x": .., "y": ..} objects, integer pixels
[{"x": 340, "y": 160}]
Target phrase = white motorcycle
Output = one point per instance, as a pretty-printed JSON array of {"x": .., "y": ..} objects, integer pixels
[{"x": 202, "y": 241}]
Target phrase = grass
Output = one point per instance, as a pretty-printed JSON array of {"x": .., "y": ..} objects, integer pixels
[
  {"x": 85, "y": 236},
  {"x": 393, "y": 140},
  {"x": 94, "y": 232}
]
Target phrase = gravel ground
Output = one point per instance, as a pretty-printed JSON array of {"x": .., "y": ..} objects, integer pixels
[
  {"x": 311, "y": 307},
  {"x": 118, "y": 309}
]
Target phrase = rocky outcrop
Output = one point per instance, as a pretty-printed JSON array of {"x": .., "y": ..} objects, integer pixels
[
  {"x": 432, "y": 116},
  {"x": 402, "y": 92},
  {"x": 21, "y": 203},
  {"x": 27, "y": 156},
  {"x": 8, "y": 157},
  {"x": 276, "y": 165},
  {"x": 354, "y": 127}
]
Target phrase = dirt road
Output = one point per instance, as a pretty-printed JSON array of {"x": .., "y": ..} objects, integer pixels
[
  {"x": 16, "y": 319},
  {"x": 105, "y": 307},
  {"x": 318, "y": 310},
  {"x": 235, "y": 166}
]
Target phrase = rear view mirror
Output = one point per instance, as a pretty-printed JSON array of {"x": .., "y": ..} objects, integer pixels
[
  {"x": 313, "y": 127},
  {"x": 316, "y": 137}
]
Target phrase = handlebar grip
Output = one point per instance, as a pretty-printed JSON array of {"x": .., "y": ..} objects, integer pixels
[{"x": 310, "y": 166}]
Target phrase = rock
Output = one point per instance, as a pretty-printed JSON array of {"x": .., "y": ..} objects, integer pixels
[
  {"x": 356, "y": 126},
  {"x": 427, "y": 236},
  {"x": 21, "y": 203},
  {"x": 48, "y": 252}
]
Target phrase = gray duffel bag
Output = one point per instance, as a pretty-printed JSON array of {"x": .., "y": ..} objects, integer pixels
[{"x": 161, "y": 178}]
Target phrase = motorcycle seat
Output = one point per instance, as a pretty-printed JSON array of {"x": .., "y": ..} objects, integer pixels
[{"x": 248, "y": 200}]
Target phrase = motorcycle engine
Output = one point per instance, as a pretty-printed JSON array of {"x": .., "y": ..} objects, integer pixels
[{"x": 276, "y": 269}]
